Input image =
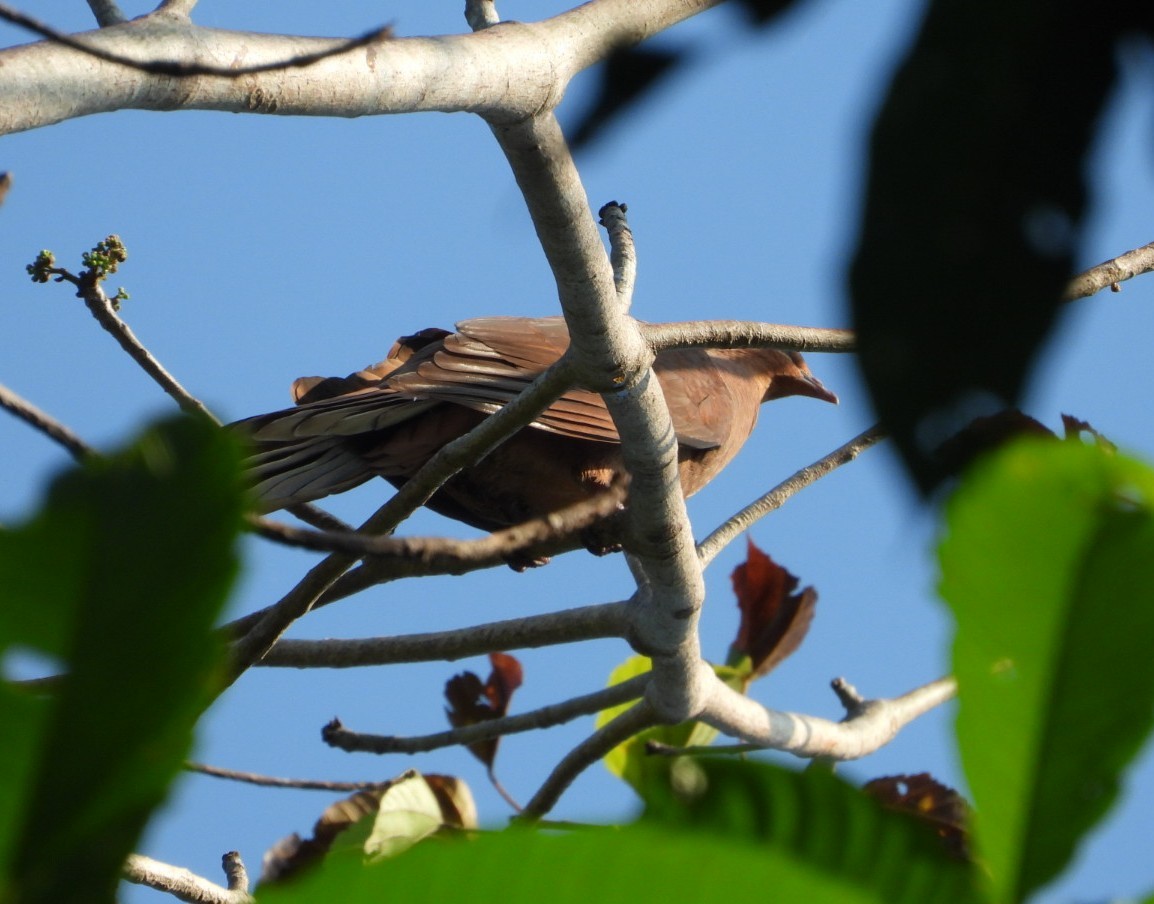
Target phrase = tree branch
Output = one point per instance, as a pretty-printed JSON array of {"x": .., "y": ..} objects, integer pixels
[
  {"x": 45, "y": 423},
  {"x": 180, "y": 9},
  {"x": 547, "y": 629},
  {"x": 183, "y": 884},
  {"x": 268, "y": 781},
  {"x": 746, "y": 334},
  {"x": 723, "y": 535},
  {"x": 629, "y": 723},
  {"x": 338, "y": 736},
  {"x": 447, "y": 554},
  {"x": 506, "y": 73},
  {"x": 106, "y": 12},
  {"x": 1111, "y": 273},
  {"x": 869, "y": 724}
]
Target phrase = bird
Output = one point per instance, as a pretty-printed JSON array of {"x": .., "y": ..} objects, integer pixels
[{"x": 435, "y": 385}]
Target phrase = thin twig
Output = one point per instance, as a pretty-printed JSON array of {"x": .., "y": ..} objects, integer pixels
[
  {"x": 594, "y": 622},
  {"x": 98, "y": 302},
  {"x": 708, "y": 548},
  {"x": 183, "y": 70},
  {"x": 626, "y": 725},
  {"x": 447, "y": 551},
  {"x": 622, "y": 251},
  {"x": 338, "y": 736},
  {"x": 1111, "y": 273},
  {"x": 45, "y": 423},
  {"x": 268, "y": 781}
]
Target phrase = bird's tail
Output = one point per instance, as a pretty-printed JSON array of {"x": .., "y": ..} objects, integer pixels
[{"x": 298, "y": 471}]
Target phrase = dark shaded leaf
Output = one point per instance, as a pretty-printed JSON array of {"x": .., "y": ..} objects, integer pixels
[
  {"x": 1075, "y": 427},
  {"x": 937, "y": 805},
  {"x": 471, "y": 702},
  {"x": 974, "y": 207},
  {"x": 120, "y": 578},
  {"x": 762, "y": 12},
  {"x": 774, "y": 619},
  {"x": 985, "y": 434},
  {"x": 626, "y": 77},
  {"x": 1048, "y": 567}
]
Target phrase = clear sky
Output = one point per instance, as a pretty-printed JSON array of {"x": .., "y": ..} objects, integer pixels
[{"x": 263, "y": 248}]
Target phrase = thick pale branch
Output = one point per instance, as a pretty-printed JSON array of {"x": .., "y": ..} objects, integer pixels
[
  {"x": 550, "y": 628},
  {"x": 611, "y": 357},
  {"x": 870, "y": 724},
  {"x": 507, "y": 72},
  {"x": 545, "y": 717}
]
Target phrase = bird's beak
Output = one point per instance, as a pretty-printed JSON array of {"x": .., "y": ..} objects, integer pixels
[
  {"x": 811, "y": 386},
  {"x": 802, "y": 384}
]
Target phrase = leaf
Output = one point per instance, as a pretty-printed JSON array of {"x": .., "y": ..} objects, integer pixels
[
  {"x": 928, "y": 800},
  {"x": 626, "y": 77},
  {"x": 119, "y": 578},
  {"x": 376, "y": 823},
  {"x": 1075, "y": 427},
  {"x": 821, "y": 821},
  {"x": 471, "y": 702},
  {"x": 974, "y": 206},
  {"x": 630, "y": 760},
  {"x": 774, "y": 619},
  {"x": 1048, "y": 566},
  {"x": 629, "y": 864}
]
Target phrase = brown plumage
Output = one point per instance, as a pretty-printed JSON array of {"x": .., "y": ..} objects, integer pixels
[{"x": 434, "y": 386}]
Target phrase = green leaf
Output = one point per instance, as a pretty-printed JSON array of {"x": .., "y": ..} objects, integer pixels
[
  {"x": 629, "y": 761},
  {"x": 615, "y": 866},
  {"x": 119, "y": 578},
  {"x": 820, "y": 820},
  {"x": 1048, "y": 565}
]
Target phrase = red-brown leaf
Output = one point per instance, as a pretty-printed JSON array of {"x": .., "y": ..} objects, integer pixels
[
  {"x": 933, "y": 803},
  {"x": 774, "y": 619},
  {"x": 471, "y": 702}
]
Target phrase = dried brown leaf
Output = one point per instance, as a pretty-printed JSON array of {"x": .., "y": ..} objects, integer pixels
[
  {"x": 931, "y": 802},
  {"x": 774, "y": 619}
]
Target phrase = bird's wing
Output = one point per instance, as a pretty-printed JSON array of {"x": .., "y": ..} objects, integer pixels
[
  {"x": 484, "y": 366},
  {"x": 489, "y": 361}
]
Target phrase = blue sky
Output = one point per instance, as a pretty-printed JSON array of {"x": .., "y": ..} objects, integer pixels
[{"x": 262, "y": 249}]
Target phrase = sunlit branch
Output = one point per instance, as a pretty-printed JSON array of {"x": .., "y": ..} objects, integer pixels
[
  {"x": 337, "y": 735},
  {"x": 708, "y": 548},
  {"x": 547, "y": 629}
]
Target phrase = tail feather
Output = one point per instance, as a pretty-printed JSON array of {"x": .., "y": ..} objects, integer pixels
[{"x": 292, "y": 473}]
